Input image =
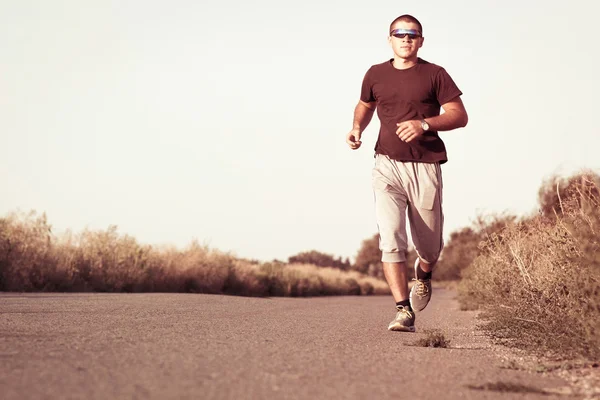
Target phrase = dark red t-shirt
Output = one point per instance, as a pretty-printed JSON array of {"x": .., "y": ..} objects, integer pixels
[{"x": 408, "y": 94}]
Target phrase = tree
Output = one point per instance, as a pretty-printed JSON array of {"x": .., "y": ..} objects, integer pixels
[
  {"x": 369, "y": 255},
  {"x": 368, "y": 259}
]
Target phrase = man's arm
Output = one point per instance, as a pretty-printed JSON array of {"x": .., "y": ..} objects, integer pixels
[
  {"x": 454, "y": 116},
  {"x": 363, "y": 112}
]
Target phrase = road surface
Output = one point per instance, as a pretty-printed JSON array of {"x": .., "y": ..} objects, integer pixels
[{"x": 193, "y": 346}]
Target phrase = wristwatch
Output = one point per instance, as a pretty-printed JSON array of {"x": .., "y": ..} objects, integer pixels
[{"x": 424, "y": 125}]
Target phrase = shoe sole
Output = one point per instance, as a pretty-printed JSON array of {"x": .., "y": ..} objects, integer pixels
[{"x": 402, "y": 329}]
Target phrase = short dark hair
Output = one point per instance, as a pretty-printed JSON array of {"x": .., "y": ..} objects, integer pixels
[{"x": 407, "y": 18}]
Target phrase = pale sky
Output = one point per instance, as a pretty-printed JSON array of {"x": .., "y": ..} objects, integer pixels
[{"x": 225, "y": 122}]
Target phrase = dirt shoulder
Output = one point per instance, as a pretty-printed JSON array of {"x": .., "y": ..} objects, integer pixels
[{"x": 581, "y": 378}]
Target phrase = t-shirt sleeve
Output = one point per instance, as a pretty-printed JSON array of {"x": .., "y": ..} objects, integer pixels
[
  {"x": 445, "y": 87},
  {"x": 366, "y": 93}
]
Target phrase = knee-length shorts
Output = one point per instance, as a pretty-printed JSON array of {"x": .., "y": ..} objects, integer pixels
[{"x": 413, "y": 190}]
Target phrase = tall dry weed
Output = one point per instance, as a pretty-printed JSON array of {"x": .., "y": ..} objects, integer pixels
[{"x": 26, "y": 248}]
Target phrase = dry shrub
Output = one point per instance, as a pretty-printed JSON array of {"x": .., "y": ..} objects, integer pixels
[
  {"x": 108, "y": 262},
  {"x": 26, "y": 260},
  {"x": 310, "y": 280},
  {"x": 245, "y": 279},
  {"x": 320, "y": 259},
  {"x": 463, "y": 246},
  {"x": 575, "y": 190},
  {"x": 539, "y": 280},
  {"x": 199, "y": 269}
]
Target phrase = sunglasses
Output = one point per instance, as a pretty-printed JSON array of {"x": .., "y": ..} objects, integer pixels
[{"x": 402, "y": 33}]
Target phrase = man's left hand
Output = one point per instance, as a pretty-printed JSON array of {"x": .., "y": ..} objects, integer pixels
[{"x": 409, "y": 130}]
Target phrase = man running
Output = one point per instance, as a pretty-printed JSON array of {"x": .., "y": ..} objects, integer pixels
[{"x": 408, "y": 92}]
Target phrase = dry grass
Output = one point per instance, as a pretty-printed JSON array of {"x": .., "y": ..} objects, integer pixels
[
  {"x": 463, "y": 246},
  {"x": 433, "y": 338},
  {"x": 508, "y": 387},
  {"x": 310, "y": 280},
  {"x": 538, "y": 280},
  {"x": 33, "y": 259}
]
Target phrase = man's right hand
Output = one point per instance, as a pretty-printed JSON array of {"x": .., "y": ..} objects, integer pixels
[{"x": 353, "y": 139}]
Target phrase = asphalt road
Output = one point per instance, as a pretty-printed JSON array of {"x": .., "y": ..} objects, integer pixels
[{"x": 191, "y": 346}]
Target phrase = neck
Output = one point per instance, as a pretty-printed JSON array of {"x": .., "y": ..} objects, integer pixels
[{"x": 404, "y": 63}]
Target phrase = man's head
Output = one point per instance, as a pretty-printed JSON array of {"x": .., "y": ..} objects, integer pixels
[
  {"x": 406, "y": 18},
  {"x": 406, "y": 36}
]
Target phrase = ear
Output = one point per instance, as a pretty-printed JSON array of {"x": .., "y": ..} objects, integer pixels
[{"x": 422, "y": 40}]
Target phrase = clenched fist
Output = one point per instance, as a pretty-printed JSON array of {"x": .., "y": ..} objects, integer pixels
[
  {"x": 353, "y": 139},
  {"x": 409, "y": 130}
]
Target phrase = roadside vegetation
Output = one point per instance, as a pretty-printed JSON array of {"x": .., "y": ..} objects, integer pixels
[
  {"x": 33, "y": 259},
  {"x": 537, "y": 280}
]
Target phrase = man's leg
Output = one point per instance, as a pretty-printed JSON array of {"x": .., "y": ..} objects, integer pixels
[
  {"x": 425, "y": 266},
  {"x": 395, "y": 275},
  {"x": 390, "y": 210},
  {"x": 426, "y": 224}
]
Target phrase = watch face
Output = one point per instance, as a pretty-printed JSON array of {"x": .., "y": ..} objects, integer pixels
[{"x": 425, "y": 125}]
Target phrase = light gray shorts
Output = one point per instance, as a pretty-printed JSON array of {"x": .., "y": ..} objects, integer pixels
[{"x": 413, "y": 189}]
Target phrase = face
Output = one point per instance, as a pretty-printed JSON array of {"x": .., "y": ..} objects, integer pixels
[{"x": 406, "y": 47}]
